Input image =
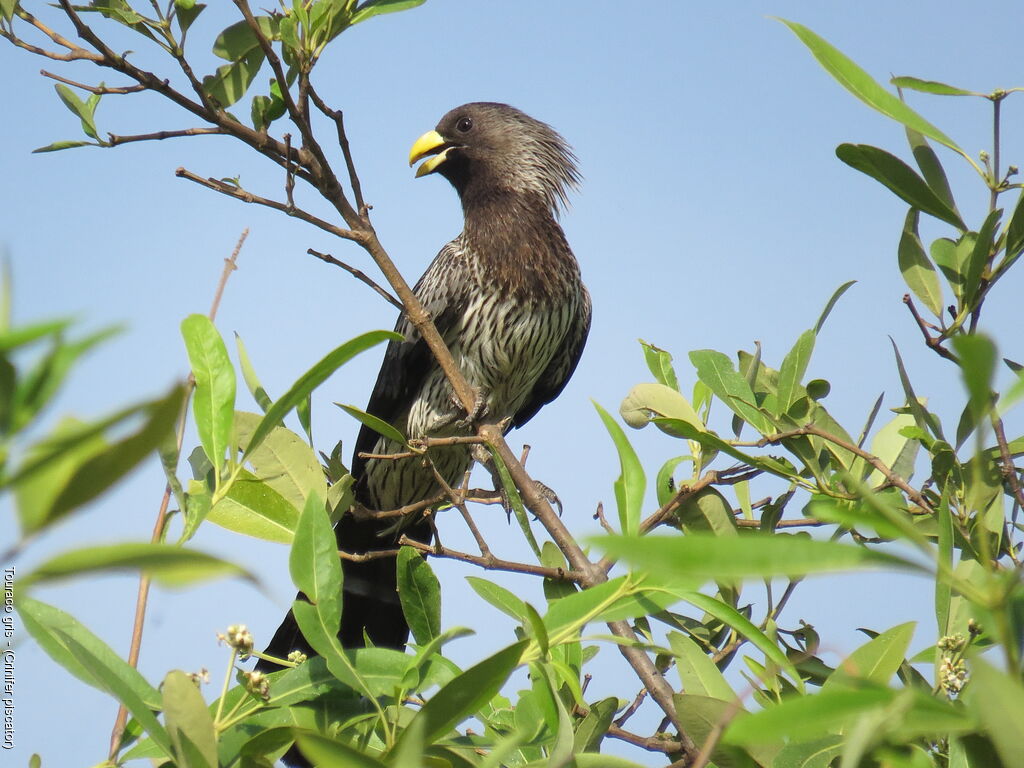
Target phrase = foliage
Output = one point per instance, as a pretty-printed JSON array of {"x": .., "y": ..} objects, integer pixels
[{"x": 679, "y": 595}]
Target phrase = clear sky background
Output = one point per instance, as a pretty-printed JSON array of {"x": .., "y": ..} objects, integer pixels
[{"x": 713, "y": 213}]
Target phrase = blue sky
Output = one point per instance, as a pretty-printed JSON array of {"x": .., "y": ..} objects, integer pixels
[{"x": 713, "y": 213}]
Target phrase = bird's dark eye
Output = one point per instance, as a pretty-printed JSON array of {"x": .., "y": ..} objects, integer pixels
[{"x": 464, "y": 125}]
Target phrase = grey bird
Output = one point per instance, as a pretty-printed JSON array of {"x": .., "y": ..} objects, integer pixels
[{"x": 507, "y": 298}]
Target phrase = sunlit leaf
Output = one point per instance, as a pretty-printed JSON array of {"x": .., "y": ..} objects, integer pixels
[
  {"x": 420, "y": 594},
  {"x": 917, "y": 270},
  {"x": 631, "y": 483},
  {"x": 214, "y": 400},
  {"x": 189, "y": 722}
]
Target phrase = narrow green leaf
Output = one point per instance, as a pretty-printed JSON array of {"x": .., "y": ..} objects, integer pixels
[
  {"x": 420, "y": 593},
  {"x": 1015, "y": 230},
  {"x": 889, "y": 444},
  {"x": 858, "y": 82},
  {"x": 900, "y": 178},
  {"x": 313, "y": 378},
  {"x": 379, "y": 426},
  {"x": 80, "y": 108},
  {"x": 101, "y": 470},
  {"x": 59, "y": 145},
  {"x": 631, "y": 483},
  {"x": 977, "y": 365},
  {"x": 917, "y": 270},
  {"x": 166, "y": 563},
  {"x": 736, "y": 557},
  {"x": 249, "y": 375},
  {"x": 922, "y": 417},
  {"x": 463, "y": 696},
  {"x": 321, "y": 751},
  {"x": 698, "y": 674},
  {"x": 998, "y": 700},
  {"x": 793, "y": 369},
  {"x": 591, "y": 731},
  {"x": 877, "y": 660},
  {"x": 504, "y": 600},
  {"x": 717, "y": 372},
  {"x": 733, "y": 618},
  {"x": 118, "y": 683},
  {"x": 377, "y": 7},
  {"x": 943, "y": 592},
  {"x": 831, "y": 303},
  {"x": 189, "y": 722},
  {"x": 660, "y": 364},
  {"x": 614, "y": 600},
  {"x": 314, "y": 563},
  {"x": 50, "y": 627},
  {"x": 931, "y": 86},
  {"x": 214, "y": 400},
  {"x": 515, "y": 501},
  {"x": 12, "y": 338},
  {"x": 980, "y": 255},
  {"x": 931, "y": 168}
]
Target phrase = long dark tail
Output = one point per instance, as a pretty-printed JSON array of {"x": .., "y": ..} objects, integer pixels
[{"x": 370, "y": 602}]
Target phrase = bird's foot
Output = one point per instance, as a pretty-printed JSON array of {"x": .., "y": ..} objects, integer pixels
[
  {"x": 465, "y": 421},
  {"x": 542, "y": 490}
]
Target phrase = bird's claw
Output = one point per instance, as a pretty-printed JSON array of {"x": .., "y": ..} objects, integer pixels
[
  {"x": 452, "y": 418},
  {"x": 544, "y": 491}
]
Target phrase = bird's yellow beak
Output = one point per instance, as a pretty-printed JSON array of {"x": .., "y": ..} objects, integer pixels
[{"x": 430, "y": 143}]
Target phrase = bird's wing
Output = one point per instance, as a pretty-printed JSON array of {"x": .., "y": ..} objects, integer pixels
[
  {"x": 407, "y": 363},
  {"x": 560, "y": 369}
]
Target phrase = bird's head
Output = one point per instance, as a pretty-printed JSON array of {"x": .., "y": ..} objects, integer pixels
[{"x": 484, "y": 147}]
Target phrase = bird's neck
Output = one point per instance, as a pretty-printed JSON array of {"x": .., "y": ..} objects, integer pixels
[{"x": 518, "y": 244}]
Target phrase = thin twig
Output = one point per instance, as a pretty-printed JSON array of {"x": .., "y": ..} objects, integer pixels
[
  {"x": 101, "y": 90},
  {"x": 933, "y": 342},
  {"x": 359, "y": 275},
  {"x": 160, "y": 525},
  {"x": 493, "y": 563},
  {"x": 650, "y": 743},
  {"x": 622, "y": 719},
  {"x": 1008, "y": 468},
  {"x": 339, "y": 120},
  {"x": 114, "y": 140},
  {"x": 245, "y": 196}
]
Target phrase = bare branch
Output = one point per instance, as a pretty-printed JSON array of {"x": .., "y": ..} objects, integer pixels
[
  {"x": 248, "y": 197},
  {"x": 114, "y": 140},
  {"x": 101, "y": 90},
  {"x": 492, "y": 563},
  {"x": 339, "y": 120},
  {"x": 359, "y": 275}
]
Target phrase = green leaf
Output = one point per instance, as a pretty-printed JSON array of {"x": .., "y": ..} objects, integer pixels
[
  {"x": 930, "y": 167},
  {"x": 104, "y": 468},
  {"x": 229, "y": 82},
  {"x": 931, "y": 86},
  {"x": 831, "y": 303},
  {"x": 717, "y": 372},
  {"x": 891, "y": 446},
  {"x": 923, "y": 419},
  {"x": 818, "y": 753},
  {"x": 707, "y": 511},
  {"x": 858, "y": 82},
  {"x": 321, "y": 751},
  {"x": 377, "y": 7},
  {"x": 314, "y": 563},
  {"x": 420, "y": 594},
  {"x": 283, "y": 460},
  {"x": 59, "y": 145},
  {"x": 238, "y": 41},
  {"x": 660, "y": 363},
  {"x": 464, "y": 695},
  {"x": 167, "y": 564},
  {"x": 252, "y": 507},
  {"x": 649, "y": 400},
  {"x": 504, "y": 600},
  {"x": 876, "y": 661},
  {"x": 313, "y": 378},
  {"x": 980, "y": 255},
  {"x": 978, "y": 359},
  {"x": 793, "y": 369},
  {"x": 514, "y": 500},
  {"x": 900, "y": 178},
  {"x": 917, "y": 270},
  {"x": 943, "y": 592},
  {"x": 1015, "y": 230},
  {"x": 214, "y": 401},
  {"x": 631, "y": 483},
  {"x": 7, "y": 8},
  {"x": 80, "y": 108},
  {"x": 998, "y": 701},
  {"x": 249, "y": 375},
  {"x": 618, "y": 599},
  {"x": 592, "y": 729},
  {"x": 186, "y": 12},
  {"x": 697, "y": 672},
  {"x": 733, "y": 618},
  {"x": 52, "y": 627},
  {"x": 379, "y": 426},
  {"x": 189, "y": 722},
  {"x": 736, "y": 557}
]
